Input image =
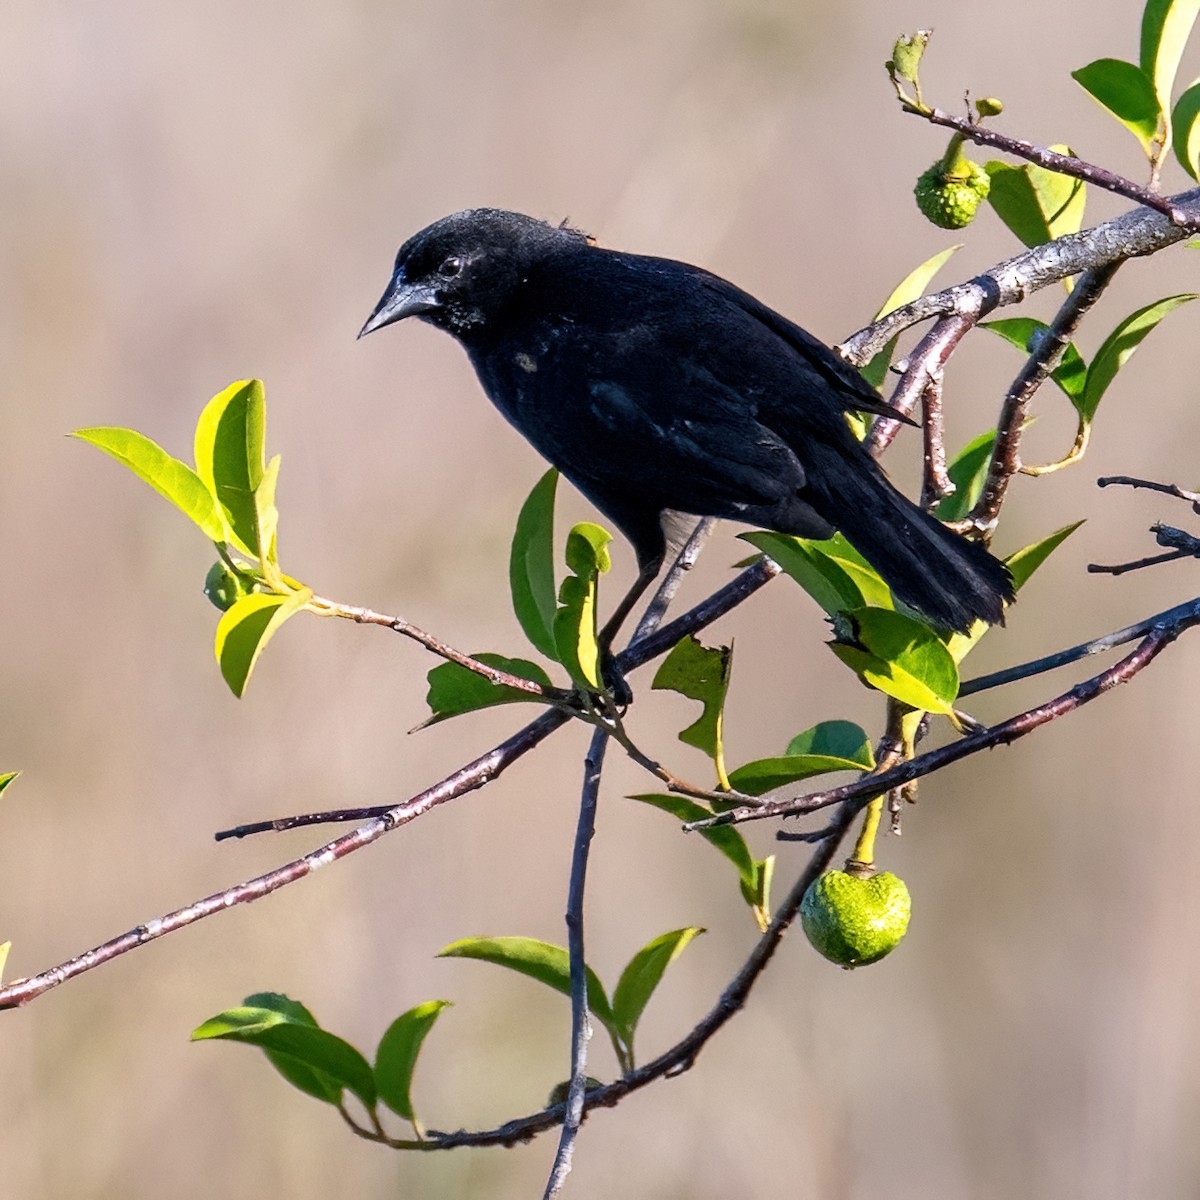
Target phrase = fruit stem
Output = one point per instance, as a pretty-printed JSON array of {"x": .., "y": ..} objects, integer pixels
[
  {"x": 954, "y": 161},
  {"x": 862, "y": 862}
]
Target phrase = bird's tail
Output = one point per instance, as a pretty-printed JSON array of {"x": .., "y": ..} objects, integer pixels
[{"x": 950, "y": 580}]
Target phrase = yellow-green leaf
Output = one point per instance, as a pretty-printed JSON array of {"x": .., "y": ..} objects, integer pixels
[
  {"x": 244, "y": 631},
  {"x": 168, "y": 476},
  {"x": 230, "y": 456}
]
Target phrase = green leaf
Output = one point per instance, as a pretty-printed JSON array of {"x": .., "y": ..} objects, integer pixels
[
  {"x": 767, "y": 774},
  {"x": 531, "y": 566},
  {"x": 968, "y": 472},
  {"x": 835, "y": 739},
  {"x": 575, "y": 620},
  {"x": 543, "y": 961},
  {"x": 230, "y": 457},
  {"x": 700, "y": 673},
  {"x": 1036, "y": 204},
  {"x": 1117, "y": 348},
  {"x": 834, "y": 580},
  {"x": 1024, "y": 562},
  {"x": 688, "y": 811},
  {"x": 7, "y": 778},
  {"x": 266, "y": 515},
  {"x": 1166, "y": 26},
  {"x": 396, "y": 1058},
  {"x": 1024, "y": 332},
  {"x": 454, "y": 690},
  {"x": 309, "y": 1058},
  {"x": 757, "y": 892},
  {"x": 900, "y": 656},
  {"x": 1186, "y": 121},
  {"x": 910, "y": 288},
  {"x": 642, "y": 975},
  {"x": 1127, "y": 92},
  {"x": 245, "y": 629},
  {"x": 168, "y": 476}
]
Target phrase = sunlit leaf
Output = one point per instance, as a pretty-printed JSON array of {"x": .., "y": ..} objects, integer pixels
[
  {"x": 168, "y": 476},
  {"x": 767, "y": 774},
  {"x": 1166, "y": 26},
  {"x": 310, "y": 1058},
  {"x": 1117, "y": 348},
  {"x": 1186, "y": 121},
  {"x": 900, "y": 656},
  {"x": 575, "y": 620},
  {"x": 757, "y": 892},
  {"x": 1024, "y": 333},
  {"x": 230, "y": 456},
  {"x": 642, "y": 975},
  {"x": 835, "y": 739},
  {"x": 910, "y": 288},
  {"x": 5, "y": 947},
  {"x": 7, "y": 778},
  {"x": 396, "y": 1058},
  {"x": 531, "y": 566},
  {"x": 245, "y": 629},
  {"x": 1127, "y": 92},
  {"x": 543, "y": 961},
  {"x": 1025, "y": 562},
  {"x": 835, "y": 580},
  {"x": 700, "y": 673},
  {"x": 454, "y": 689},
  {"x": 1036, "y": 204}
]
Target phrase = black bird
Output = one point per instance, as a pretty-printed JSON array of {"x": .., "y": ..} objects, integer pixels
[{"x": 655, "y": 386}]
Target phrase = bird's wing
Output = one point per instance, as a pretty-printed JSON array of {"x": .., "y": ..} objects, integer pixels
[{"x": 846, "y": 385}]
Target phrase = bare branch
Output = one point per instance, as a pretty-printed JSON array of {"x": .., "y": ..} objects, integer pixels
[
  {"x": 580, "y": 1025},
  {"x": 1133, "y": 234}
]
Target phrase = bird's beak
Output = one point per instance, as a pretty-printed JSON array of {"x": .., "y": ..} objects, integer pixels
[{"x": 401, "y": 299}]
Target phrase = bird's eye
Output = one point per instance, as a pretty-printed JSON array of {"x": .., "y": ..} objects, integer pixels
[{"x": 452, "y": 267}]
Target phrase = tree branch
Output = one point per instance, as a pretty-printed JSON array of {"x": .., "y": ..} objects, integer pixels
[{"x": 1131, "y": 235}]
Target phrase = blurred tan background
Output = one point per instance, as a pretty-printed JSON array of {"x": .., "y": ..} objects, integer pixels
[{"x": 195, "y": 193}]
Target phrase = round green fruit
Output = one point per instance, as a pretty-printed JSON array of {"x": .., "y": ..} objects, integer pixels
[
  {"x": 949, "y": 198},
  {"x": 223, "y": 588},
  {"x": 854, "y": 921}
]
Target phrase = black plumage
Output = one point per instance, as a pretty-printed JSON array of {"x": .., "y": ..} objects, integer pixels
[{"x": 654, "y": 386}]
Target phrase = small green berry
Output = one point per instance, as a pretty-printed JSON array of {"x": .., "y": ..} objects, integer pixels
[
  {"x": 949, "y": 198},
  {"x": 854, "y": 921},
  {"x": 224, "y": 588}
]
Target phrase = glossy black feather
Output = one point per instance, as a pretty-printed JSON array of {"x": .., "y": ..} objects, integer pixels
[{"x": 654, "y": 385}]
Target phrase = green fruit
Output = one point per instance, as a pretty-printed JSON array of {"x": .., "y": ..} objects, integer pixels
[
  {"x": 223, "y": 587},
  {"x": 949, "y": 198},
  {"x": 854, "y": 921}
]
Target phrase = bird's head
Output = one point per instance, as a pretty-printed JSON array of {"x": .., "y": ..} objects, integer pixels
[{"x": 461, "y": 270}]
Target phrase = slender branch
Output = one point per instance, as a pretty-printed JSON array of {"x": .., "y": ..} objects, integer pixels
[
  {"x": 1152, "y": 560},
  {"x": 656, "y": 610},
  {"x": 1038, "y": 367},
  {"x": 1100, "y": 645},
  {"x": 1062, "y": 164},
  {"x": 1169, "y": 489},
  {"x": 925, "y": 363},
  {"x": 862, "y": 791},
  {"x": 580, "y": 1023},
  {"x": 1133, "y": 234},
  {"x": 368, "y": 616},
  {"x": 935, "y": 483}
]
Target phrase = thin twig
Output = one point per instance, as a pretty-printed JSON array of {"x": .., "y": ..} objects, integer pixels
[
  {"x": 1063, "y": 658},
  {"x": 935, "y": 482},
  {"x": 368, "y": 616},
  {"x": 656, "y": 610},
  {"x": 1061, "y": 164},
  {"x": 1133, "y": 234},
  {"x": 1038, "y": 367},
  {"x": 1169, "y": 489},
  {"x": 1137, "y": 564},
  {"x": 580, "y": 1023},
  {"x": 925, "y": 363},
  {"x": 862, "y": 791}
]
